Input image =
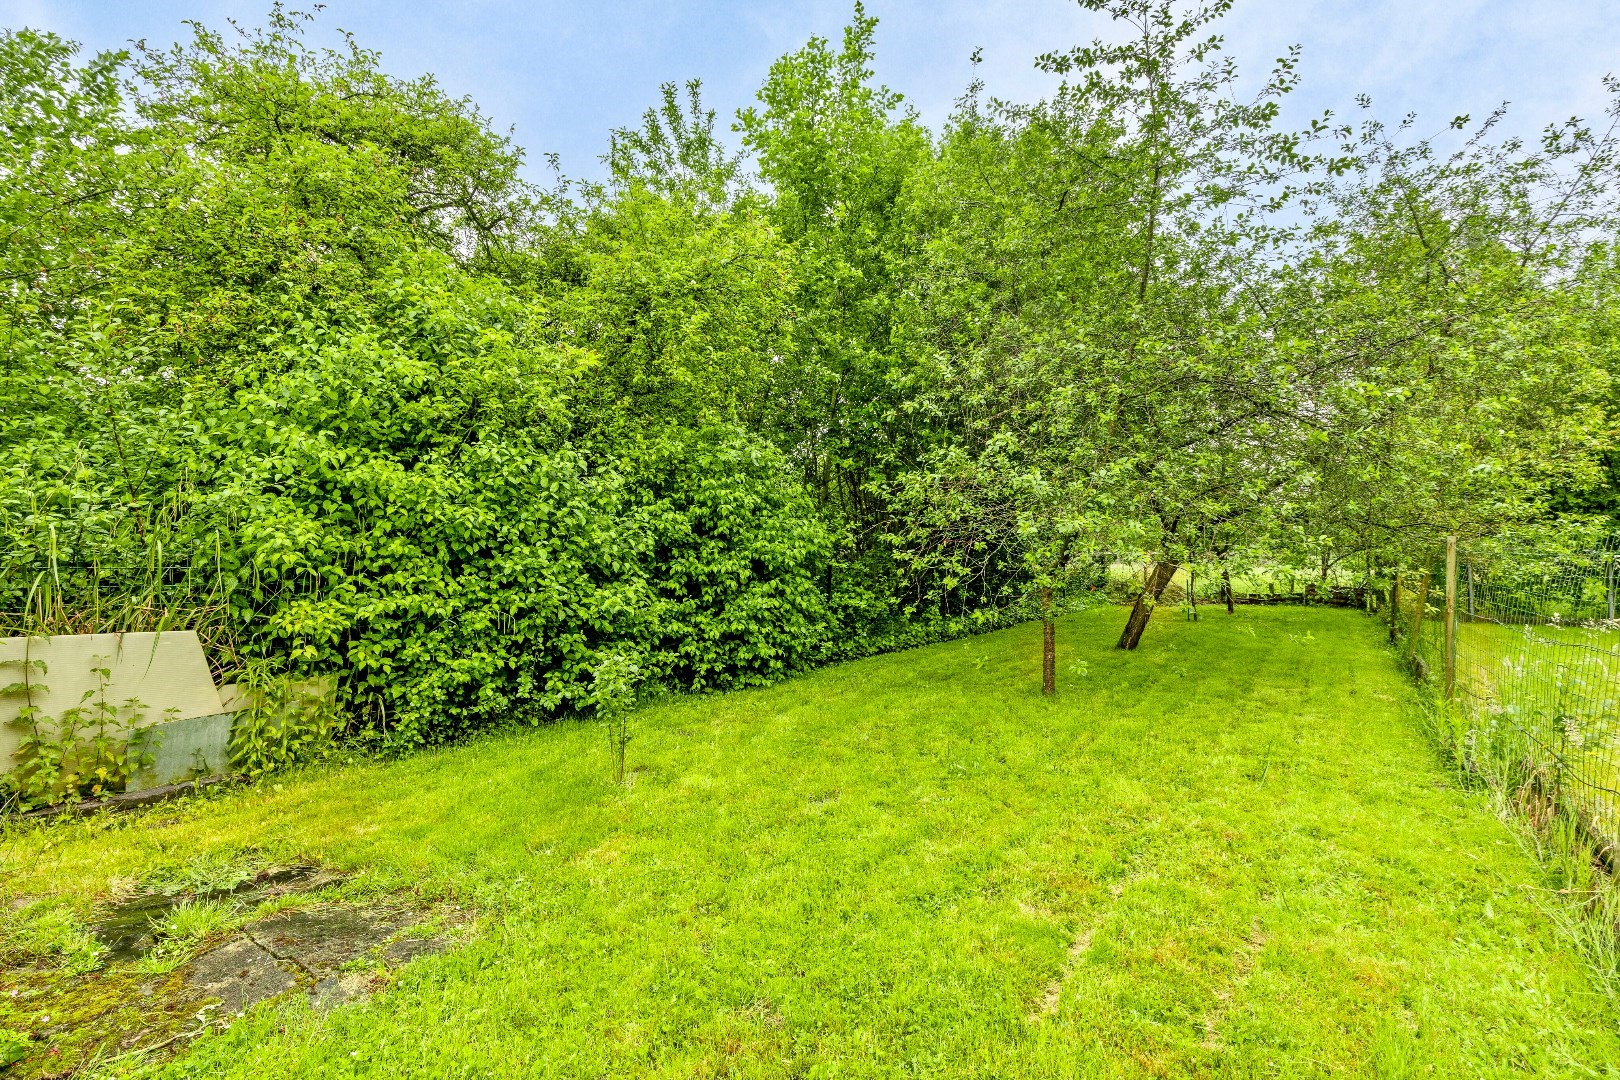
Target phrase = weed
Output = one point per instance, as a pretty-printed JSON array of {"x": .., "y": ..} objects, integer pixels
[
  {"x": 286, "y": 721},
  {"x": 50, "y": 933},
  {"x": 90, "y": 750},
  {"x": 189, "y": 921},
  {"x": 13, "y": 1047},
  {"x": 203, "y": 873},
  {"x": 183, "y": 928}
]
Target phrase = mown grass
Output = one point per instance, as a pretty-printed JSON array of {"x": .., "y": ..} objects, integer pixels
[{"x": 1231, "y": 853}]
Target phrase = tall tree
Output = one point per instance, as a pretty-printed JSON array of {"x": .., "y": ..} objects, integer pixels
[
  {"x": 1097, "y": 291},
  {"x": 838, "y": 151}
]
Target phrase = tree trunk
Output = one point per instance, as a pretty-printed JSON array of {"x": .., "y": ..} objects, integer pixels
[
  {"x": 1226, "y": 591},
  {"x": 1048, "y": 645},
  {"x": 1419, "y": 609},
  {"x": 1158, "y": 579},
  {"x": 1394, "y": 608}
]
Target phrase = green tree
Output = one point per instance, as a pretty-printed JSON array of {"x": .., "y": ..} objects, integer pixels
[
  {"x": 1094, "y": 295},
  {"x": 838, "y": 151}
]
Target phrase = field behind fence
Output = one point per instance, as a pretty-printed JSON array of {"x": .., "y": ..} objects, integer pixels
[{"x": 1524, "y": 647}]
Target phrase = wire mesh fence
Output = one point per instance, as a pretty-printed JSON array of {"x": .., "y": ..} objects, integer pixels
[{"x": 1524, "y": 647}]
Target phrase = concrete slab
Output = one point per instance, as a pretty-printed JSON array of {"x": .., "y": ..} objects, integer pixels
[
  {"x": 185, "y": 750},
  {"x": 335, "y": 990},
  {"x": 321, "y": 939},
  {"x": 239, "y": 974}
]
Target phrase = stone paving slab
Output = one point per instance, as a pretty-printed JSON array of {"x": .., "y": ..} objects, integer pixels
[{"x": 239, "y": 974}]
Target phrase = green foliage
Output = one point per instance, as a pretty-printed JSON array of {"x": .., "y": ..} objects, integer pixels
[
  {"x": 840, "y": 153},
  {"x": 453, "y": 493},
  {"x": 13, "y": 1046},
  {"x": 613, "y": 695},
  {"x": 282, "y": 722},
  {"x": 683, "y": 311},
  {"x": 676, "y": 153},
  {"x": 64, "y": 152},
  {"x": 738, "y": 597}
]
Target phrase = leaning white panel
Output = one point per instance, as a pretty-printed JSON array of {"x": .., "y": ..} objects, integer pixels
[{"x": 164, "y": 671}]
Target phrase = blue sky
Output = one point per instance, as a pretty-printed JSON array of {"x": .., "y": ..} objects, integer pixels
[{"x": 563, "y": 73}]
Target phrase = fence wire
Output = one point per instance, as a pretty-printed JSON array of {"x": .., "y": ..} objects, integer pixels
[{"x": 1533, "y": 681}]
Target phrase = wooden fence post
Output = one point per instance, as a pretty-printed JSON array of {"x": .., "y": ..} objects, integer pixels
[{"x": 1451, "y": 616}]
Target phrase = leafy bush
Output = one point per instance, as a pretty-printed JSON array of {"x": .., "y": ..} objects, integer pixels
[
  {"x": 400, "y": 504},
  {"x": 736, "y": 555},
  {"x": 283, "y": 722}
]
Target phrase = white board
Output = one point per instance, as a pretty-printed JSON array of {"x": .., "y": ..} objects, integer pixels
[{"x": 165, "y": 671}]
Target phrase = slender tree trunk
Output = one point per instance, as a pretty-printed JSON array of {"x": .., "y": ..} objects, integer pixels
[
  {"x": 1419, "y": 609},
  {"x": 1158, "y": 579},
  {"x": 1226, "y": 591},
  {"x": 1394, "y": 608},
  {"x": 1048, "y": 645}
]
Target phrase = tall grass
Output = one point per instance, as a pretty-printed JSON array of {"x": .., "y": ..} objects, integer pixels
[{"x": 1581, "y": 894}]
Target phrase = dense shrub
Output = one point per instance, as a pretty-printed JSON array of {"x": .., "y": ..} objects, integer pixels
[
  {"x": 736, "y": 560},
  {"x": 404, "y": 501},
  {"x": 273, "y": 340}
]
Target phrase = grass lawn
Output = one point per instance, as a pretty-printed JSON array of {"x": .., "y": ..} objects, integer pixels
[{"x": 1232, "y": 853}]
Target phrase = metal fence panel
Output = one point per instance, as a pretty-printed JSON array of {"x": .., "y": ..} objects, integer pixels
[{"x": 1535, "y": 647}]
